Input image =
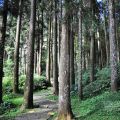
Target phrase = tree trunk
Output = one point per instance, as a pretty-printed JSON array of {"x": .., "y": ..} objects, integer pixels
[
  {"x": 16, "y": 53},
  {"x": 99, "y": 52},
  {"x": 35, "y": 61},
  {"x": 92, "y": 47},
  {"x": 65, "y": 112},
  {"x": 60, "y": 29},
  {"x": 80, "y": 93},
  {"x": 106, "y": 42},
  {"x": 41, "y": 46},
  {"x": 55, "y": 54},
  {"x": 48, "y": 56},
  {"x": 72, "y": 73},
  {"x": 24, "y": 61},
  {"x": 2, "y": 43},
  {"x": 28, "y": 91},
  {"x": 113, "y": 47}
]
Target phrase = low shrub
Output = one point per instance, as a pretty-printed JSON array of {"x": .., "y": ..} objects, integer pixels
[
  {"x": 7, "y": 84},
  {"x": 5, "y": 106},
  {"x": 101, "y": 83},
  {"x": 105, "y": 106},
  {"x": 8, "y": 67},
  {"x": 95, "y": 88},
  {"x": 86, "y": 77},
  {"x": 38, "y": 80},
  {"x": 22, "y": 82},
  {"x": 103, "y": 74}
]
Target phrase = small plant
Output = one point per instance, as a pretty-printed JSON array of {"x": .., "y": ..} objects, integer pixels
[
  {"x": 86, "y": 78},
  {"x": 5, "y": 106},
  {"x": 8, "y": 67},
  {"x": 7, "y": 84},
  {"x": 37, "y": 81},
  {"x": 103, "y": 74},
  {"x": 22, "y": 82}
]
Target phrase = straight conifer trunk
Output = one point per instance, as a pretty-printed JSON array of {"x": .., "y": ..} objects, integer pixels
[
  {"x": 80, "y": 93},
  {"x": 65, "y": 112},
  {"x": 92, "y": 46},
  {"x": 28, "y": 91},
  {"x": 16, "y": 53},
  {"x": 55, "y": 53},
  {"x": 106, "y": 42},
  {"x": 113, "y": 46},
  {"x": 2, "y": 44},
  {"x": 48, "y": 62},
  {"x": 72, "y": 72},
  {"x": 41, "y": 45}
]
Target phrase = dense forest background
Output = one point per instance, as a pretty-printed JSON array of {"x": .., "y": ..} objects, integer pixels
[{"x": 65, "y": 50}]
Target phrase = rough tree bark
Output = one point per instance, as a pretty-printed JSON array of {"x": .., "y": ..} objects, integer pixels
[
  {"x": 65, "y": 112},
  {"x": 72, "y": 73},
  {"x": 92, "y": 46},
  {"x": 80, "y": 93},
  {"x": 48, "y": 62},
  {"x": 41, "y": 46},
  {"x": 60, "y": 28},
  {"x": 2, "y": 43},
  {"x": 28, "y": 91},
  {"x": 113, "y": 46},
  {"x": 106, "y": 42},
  {"x": 55, "y": 53},
  {"x": 16, "y": 53}
]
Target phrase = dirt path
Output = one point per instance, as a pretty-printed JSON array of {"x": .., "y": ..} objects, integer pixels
[{"x": 44, "y": 110}]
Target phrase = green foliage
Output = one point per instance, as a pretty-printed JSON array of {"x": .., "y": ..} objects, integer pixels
[
  {"x": 103, "y": 74},
  {"x": 86, "y": 77},
  {"x": 11, "y": 106},
  {"x": 95, "y": 88},
  {"x": 4, "y": 106},
  {"x": 52, "y": 97},
  {"x": 102, "y": 107},
  {"x": 16, "y": 100},
  {"x": 105, "y": 106},
  {"x": 8, "y": 67},
  {"x": 102, "y": 82},
  {"x": 37, "y": 80},
  {"x": 7, "y": 84},
  {"x": 22, "y": 81}
]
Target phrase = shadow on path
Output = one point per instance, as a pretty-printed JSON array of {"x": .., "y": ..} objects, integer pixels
[{"x": 44, "y": 110}]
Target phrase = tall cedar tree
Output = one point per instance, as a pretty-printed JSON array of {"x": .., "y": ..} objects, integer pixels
[
  {"x": 16, "y": 53},
  {"x": 113, "y": 46},
  {"x": 2, "y": 43},
  {"x": 48, "y": 62},
  {"x": 72, "y": 72},
  {"x": 55, "y": 51},
  {"x": 92, "y": 46},
  {"x": 65, "y": 112},
  {"x": 41, "y": 45},
  {"x": 80, "y": 54},
  {"x": 28, "y": 91}
]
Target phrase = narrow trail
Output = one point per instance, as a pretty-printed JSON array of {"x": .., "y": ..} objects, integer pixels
[{"x": 43, "y": 111}]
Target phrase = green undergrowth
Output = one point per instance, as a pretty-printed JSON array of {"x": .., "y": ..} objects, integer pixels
[
  {"x": 102, "y": 107},
  {"x": 105, "y": 106},
  {"x": 52, "y": 97},
  {"x": 11, "y": 106}
]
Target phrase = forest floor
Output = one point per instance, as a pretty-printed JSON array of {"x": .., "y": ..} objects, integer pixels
[
  {"x": 104, "y": 106},
  {"x": 44, "y": 109}
]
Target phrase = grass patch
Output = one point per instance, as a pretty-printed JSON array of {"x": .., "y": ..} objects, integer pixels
[
  {"x": 102, "y": 107},
  {"x": 11, "y": 106},
  {"x": 52, "y": 97}
]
